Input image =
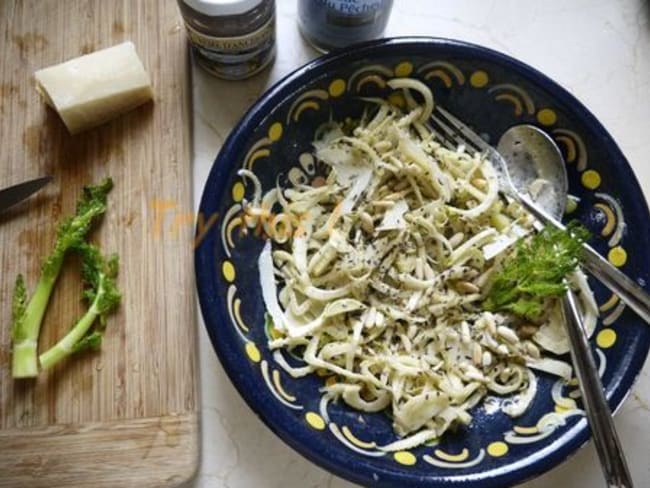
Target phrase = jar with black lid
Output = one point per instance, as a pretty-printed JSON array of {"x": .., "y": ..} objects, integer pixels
[
  {"x": 232, "y": 39},
  {"x": 333, "y": 24}
]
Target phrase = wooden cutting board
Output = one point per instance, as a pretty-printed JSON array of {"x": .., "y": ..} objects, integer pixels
[{"x": 126, "y": 415}]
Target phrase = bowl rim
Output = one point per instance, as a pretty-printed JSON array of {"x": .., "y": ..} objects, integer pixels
[{"x": 547, "y": 457}]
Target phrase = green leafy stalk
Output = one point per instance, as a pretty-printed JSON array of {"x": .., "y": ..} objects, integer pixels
[
  {"x": 102, "y": 295},
  {"x": 536, "y": 271},
  {"x": 23, "y": 346},
  {"x": 27, "y": 318}
]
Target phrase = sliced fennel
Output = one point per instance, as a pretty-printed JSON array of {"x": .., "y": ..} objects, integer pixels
[{"x": 379, "y": 281}]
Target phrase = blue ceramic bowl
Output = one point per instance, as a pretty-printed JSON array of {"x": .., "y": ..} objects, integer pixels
[{"x": 491, "y": 92}]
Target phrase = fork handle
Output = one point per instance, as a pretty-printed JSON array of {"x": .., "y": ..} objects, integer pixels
[
  {"x": 626, "y": 288},
  {"x": 599, "y": 415}
]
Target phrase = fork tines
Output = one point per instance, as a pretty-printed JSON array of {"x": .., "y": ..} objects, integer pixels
[{"x": 454, "y": 133}]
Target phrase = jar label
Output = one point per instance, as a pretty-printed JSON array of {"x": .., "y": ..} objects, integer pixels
[
  {"x": 235, "y": 44},
  {"x": 352, "y": 7}
]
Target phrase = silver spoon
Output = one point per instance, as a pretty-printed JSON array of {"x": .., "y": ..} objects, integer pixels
[{"x": 532, "y": 155}]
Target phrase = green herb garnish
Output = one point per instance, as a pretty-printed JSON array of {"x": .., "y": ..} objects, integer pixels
[{"x": 535, "y": 271}]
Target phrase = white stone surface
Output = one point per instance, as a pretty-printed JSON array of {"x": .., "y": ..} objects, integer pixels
[{"x": 598, "y": 49}]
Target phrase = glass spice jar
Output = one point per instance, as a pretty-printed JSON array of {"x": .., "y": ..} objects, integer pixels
[
  {"x": 231, "y": 39},
  {"x": 332, "y": 24}
]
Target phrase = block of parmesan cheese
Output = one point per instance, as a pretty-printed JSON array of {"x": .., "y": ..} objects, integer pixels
[{"x": 94, "y": 88}]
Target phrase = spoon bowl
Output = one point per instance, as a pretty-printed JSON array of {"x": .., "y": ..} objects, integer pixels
[{"x": 535, "y": 167}]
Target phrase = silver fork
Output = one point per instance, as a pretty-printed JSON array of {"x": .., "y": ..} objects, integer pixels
[{"x": 452, "y": 133}]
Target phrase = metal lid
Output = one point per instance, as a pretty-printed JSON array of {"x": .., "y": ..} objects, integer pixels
[{"x": 216, "y": 8}]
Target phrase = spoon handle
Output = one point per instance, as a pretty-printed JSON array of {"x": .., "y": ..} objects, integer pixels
[
  {"x": 599, "y": 415},
  {"x": 626, "y": 288}
]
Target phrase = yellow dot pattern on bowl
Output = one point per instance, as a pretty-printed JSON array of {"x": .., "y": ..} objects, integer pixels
[
  {"x": 315, "y": 420},
  {"x": 590, "y": 179},
  {"x": 275, "y": 131},
  {"x": 403, "y": 69},
  {"x": 546, "y": 116},
  {"x": 606, "y": 338},
  {"x": 238, "y": 191},
  {"x": 337, "y": 87},
  {"x": 617, "y": 256},
  {"x": 479, "y": 79},
  {"x": 253, "y": 352},
  {"x": 406, "y": 458},
  {"x": 497, "y": 449},
  {"x": 228, "y": 271}
]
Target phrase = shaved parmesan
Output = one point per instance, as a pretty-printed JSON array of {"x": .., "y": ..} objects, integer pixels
[
  {"x": 394, "y": 217},
  {"x": 92, "y": 89}
]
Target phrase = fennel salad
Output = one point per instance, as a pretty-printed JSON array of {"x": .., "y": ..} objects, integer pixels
[{"x": 402, "y": 274}]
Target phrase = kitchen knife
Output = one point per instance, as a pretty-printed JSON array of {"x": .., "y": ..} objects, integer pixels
[{"x": 17, "y": 193}]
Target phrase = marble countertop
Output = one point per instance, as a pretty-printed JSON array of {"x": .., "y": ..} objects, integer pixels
[{"x": 598, "y": 49}]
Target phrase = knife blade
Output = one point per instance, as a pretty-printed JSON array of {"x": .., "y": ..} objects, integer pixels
[{"x": 15, "y": 194}]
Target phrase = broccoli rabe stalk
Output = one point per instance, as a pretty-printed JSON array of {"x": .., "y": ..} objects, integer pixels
[
  {"x": 24, "y": 355},
  {"x": 27, "y": 316},
  {"x": 102, "y": 295}
]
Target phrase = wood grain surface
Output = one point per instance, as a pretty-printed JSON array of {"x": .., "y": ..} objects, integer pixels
[{"x": 126, "y": 415}]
